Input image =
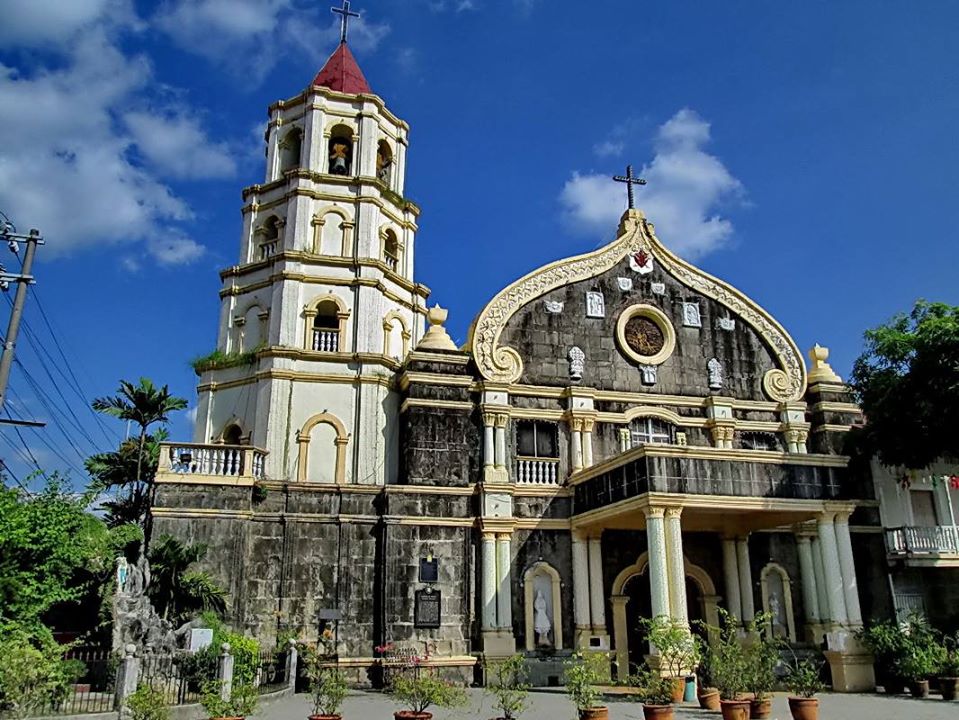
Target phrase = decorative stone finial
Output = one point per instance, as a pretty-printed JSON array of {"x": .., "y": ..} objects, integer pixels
[
  {"x": 821, "y": 370},
  {"x": 436, "y": 337}
]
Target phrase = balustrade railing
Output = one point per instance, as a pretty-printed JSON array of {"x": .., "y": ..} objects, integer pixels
[
  {"x": 268, "y": 249},
  {"x": 537, "y": 471},
  {"x": 391, "y": 262},
  {"x": 931, "y": 539},
  {"x": 326, "y": 340},
  {"x": 225, "y": 461}
]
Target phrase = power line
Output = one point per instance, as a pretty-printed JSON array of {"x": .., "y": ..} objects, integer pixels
[{"x": 6, "y": 469}]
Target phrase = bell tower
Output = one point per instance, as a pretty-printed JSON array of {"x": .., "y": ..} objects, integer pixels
[{"x": 322, "y": 309}]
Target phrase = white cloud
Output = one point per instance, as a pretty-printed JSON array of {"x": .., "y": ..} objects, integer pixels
[
  {"x": 174, "y": 249},
  {"x": 249, "y": 36},
  {"x": 176, "y": 145},
  {"x": 70, "y": 166},
  {"x": 608, "y": 148},
  {"x": 31, "y": 23},
  {"x": 687, "y": 187}
]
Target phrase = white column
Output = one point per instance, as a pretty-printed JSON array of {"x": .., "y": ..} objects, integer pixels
[
  {"x": 745, "y": 579},
  {"x": 587, "y": 443},
  {"x": 677, "y": 565},
  {"x": 848, "y": 568},
  {"x": 580, "y": 582},
  {"x": 500, "y": 440},
  {"x": 488, "y": 559},
  {"x": 489, "y": 451},
  {"x": 731, "y": 575},
  {"x": 831, "y": 571},
  {"x": 658, "y": 572},
  {"x": 810, "y": 598},
  {"x": 504, "y": 596},
  {"x": 820, "y": 579},
  {"x": 597, "y": 600},
  {"x": 576, "y": 441}
]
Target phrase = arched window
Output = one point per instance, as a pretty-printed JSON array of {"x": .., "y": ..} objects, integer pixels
[
  {"x": 268, "y": 238},
  {"x": 322, "y": 456},
  {"x": 391, "y": 250},
  {"x": 233, "y": 435},
  {"x": 650, "y": 430},
  {"x": 254, "y": 329},
  {"x": 326, "y": 327},
  {"x": 341, "y": 151},
  {"x": 384, "y": 162},
  {"x": 290, "y": 147}
]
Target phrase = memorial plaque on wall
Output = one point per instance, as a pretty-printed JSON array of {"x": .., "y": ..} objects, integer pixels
[
  {"x": 429, "y": 570},
  {"x": 426, "y": 611}
]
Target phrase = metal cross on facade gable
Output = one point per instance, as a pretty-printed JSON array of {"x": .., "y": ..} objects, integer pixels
[
  {"x": 630, "y": 180},
  {"x": 345, "y": 14}
]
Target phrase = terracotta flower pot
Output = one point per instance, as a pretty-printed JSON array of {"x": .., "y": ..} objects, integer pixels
[
  {"x": 709, "y": 699},
  {"x": 760, "y": 709},
  {"x": 410, "y": 715},
  {"x": 678, "y": 688},
  {"x": 596, "y": 713},
  {"x": 658, "y": 712},
  {"x": 804, "y": 708},
  {"x": 326, "y": 717},
  {"x": 734, "y": 709},
  {"x": 949, "y": 687},
  {"x": 919, "y": 688}
]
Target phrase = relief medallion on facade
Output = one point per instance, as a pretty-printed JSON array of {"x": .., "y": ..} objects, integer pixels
[{"x": 645, "y": 335}]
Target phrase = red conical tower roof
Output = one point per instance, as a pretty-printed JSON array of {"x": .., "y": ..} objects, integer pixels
[{"x": 341, "y": 73}]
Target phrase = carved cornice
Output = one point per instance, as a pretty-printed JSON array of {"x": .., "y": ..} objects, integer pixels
[{"x": 501, "y": 363}]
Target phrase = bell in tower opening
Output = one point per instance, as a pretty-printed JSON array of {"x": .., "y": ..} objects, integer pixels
[{"x": 341, "y": 152}]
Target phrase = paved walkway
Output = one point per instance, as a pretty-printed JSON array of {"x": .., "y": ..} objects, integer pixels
[{"x": 555, "y": 706}]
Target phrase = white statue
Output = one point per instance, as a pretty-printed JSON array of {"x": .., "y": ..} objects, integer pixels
[
  {"x": 123, "y": 569},
  {"x": 691, "y": 316},
  {"x": 648, "y": 374},
  {"x": 595, "y": 305},
  {"x": 542, "y": 624},
  {"x": 715, "y": 369},
  {"x": 577, "y": 363}
]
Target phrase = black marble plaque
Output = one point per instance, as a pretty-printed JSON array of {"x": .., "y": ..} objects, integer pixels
[
  {"x": 429, "y": 570},
  {"x": 426, "y": 612}
]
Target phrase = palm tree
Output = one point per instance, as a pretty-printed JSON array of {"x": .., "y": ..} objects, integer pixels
[{"x": 175, "y": 590}]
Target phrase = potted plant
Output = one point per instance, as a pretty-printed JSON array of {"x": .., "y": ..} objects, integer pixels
[
  {"x": 949, "y": 668},
  {"x": 148, "y": 703},
  {"x": 678, "y": 650},
  {"x": 886, "y": 641},
  {"x": 420, "y": 689},
  {"x": 729, "y": 669},
  {"x": 803, "y": 682},
  {"x": 706, "y": 692},
  {"x": 242, "y": 701},
  {"x": 506, "y": 682},
  {"x": 762, "y": 653},
  {"x": 328, "y": 689},
  {"x": 656, "y": 692},
  {"x": 582, "y": 675},
  {"x": 921, "y": 655}
]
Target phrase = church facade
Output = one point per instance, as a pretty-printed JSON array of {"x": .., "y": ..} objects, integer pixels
[{"x": 622, "y": 436}]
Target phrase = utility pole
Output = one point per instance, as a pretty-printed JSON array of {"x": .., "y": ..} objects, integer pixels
[{"x": 9, "y": 233}]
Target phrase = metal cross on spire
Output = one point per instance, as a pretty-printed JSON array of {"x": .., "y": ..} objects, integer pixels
[
  {"x": 345, "y": 14},
  {"x": 630, "y": 180}
]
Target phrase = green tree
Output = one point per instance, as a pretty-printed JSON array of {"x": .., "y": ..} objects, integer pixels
[
  {"x": 176, "y": 591},
  {"x": 117, "y": 471},
  {"x": 53, "y": 554},
  {"x": 143, "y": 404},
  {"x": 907, "y": 382}
]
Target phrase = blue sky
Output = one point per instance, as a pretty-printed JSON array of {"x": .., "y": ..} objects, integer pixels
[{"x": 805, "y": 152}]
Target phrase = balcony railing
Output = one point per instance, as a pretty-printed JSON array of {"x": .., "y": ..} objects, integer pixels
[
  {"x": 326, "y": 340},
  {"x": 223, "y": 464},
  {"x": 537, "y": 471},
  {"x": 939, "y": 539},
  {"x": 391, "y": 262},
  {"x": 268, "y": 249}
]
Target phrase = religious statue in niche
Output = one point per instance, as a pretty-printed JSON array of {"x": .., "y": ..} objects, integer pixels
[
  {"x": 777, "y": 605},
  {"x": 643, "y": 335},
  {"x": 691, "y": 317},
  {"x": 595, "y": 305},
  {"x": 577, "y": 363},
  {"x": 543, "y": 610},
  {"x": 339, "y": 156},
  {"x": 384, "y": 165},
  {"x": 715, "y": 369}
]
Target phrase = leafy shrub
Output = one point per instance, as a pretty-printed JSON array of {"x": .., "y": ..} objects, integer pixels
[
  {"x": 582, "y": 675},
  {"x": 506, "y": 682},
  {"x": 802, "y": 679},
  {"x": 678, "y": 650},
  {"x": 218, "y": 359},
  {"x": 653, "y": 688},
  {"x": 242, "y": 702},
  {"x": 728, "y": 661},
  {"x": 327, "y": 685},
  {"x": 148, "y": 703},
  {"x": 419, "y": 690},
  {"x": 203, "y": 664},
  {"x": 949, "y": 667},
  {"x": 32, "y": 673}
]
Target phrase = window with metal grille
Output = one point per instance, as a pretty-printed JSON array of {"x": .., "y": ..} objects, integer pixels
[{"x": 650, "y": 430}]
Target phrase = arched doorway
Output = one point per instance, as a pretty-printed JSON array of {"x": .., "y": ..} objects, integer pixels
[{"x": 631, "y": 600}]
